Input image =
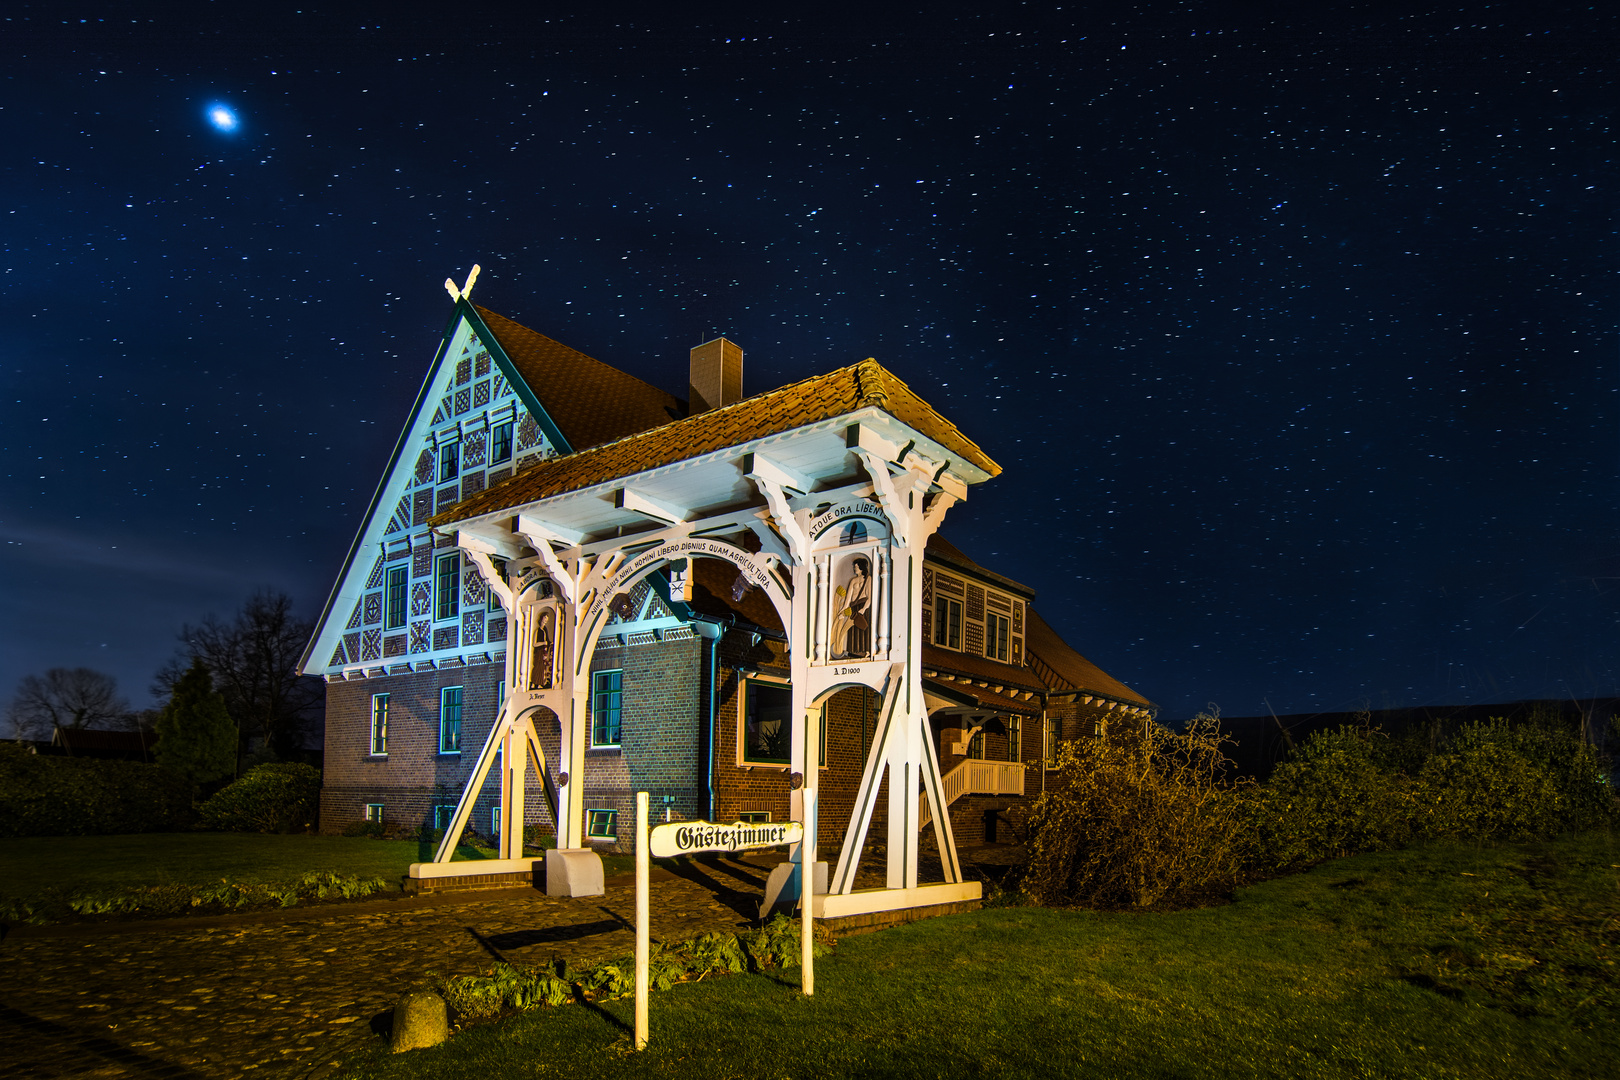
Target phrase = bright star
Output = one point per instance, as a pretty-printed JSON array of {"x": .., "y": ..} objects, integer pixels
[{"x": 222, "y": 117}]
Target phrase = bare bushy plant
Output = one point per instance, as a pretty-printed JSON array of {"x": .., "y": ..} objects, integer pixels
[{"x": 1140, "y": 816}]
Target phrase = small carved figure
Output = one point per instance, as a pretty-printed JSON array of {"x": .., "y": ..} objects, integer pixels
[
  {"x": 852, "y": 625},
  {"x": 545, "y": 650}
]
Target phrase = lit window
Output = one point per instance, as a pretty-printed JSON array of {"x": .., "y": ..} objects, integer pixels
[
  {"x": 767, "y": 723},
  {"x": 447, "y": 586},
  {"x": 379, "y": 724},
  {"x": 449, "y": 461},
  {"x": 607, "y": 707},
  {"x": 997, "y": 636},
  {"x": 374, "y": 811},
  {"x": 397, "y": 579},
  {"x": 450, "y": 720},
  {"x": 948, "y": 622},
  {"x": 500, "y": 443},
  {"x": 602, "y": 824}
]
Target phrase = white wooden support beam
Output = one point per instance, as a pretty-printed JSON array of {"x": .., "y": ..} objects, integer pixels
[
  {"x": 782, "y": 519},
  {"x": 567, "y": 584},
  {"x": 781, "y": 475},
  {"x": 545, "y": 530},
  {"x": 883, "y": 487},
  {"x": 640, "y": 502}
]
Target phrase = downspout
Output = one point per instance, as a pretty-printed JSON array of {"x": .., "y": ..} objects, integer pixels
[{"x": 710, "y": 631}]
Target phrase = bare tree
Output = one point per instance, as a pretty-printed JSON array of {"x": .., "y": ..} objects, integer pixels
[
  {"x": 66, "y": 699},
  {"x": 254, "y": 663}
]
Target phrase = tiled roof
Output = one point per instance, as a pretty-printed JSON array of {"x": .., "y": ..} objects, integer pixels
[
  {"x": 985, "y": 697},
  {"x": 590, "y": 402},
  {"x": 980, "y": 668},
  {"x": 1065, "y": 670},
  {"x": 836, "y": 393},
  {"x": 943, "y": 551}
]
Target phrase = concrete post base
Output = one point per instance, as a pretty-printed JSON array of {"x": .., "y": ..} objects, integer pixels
[
  {"x": 782, "y": 886},
  {"x": 574, "y": 872}
]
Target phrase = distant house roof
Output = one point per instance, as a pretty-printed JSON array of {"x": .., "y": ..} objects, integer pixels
[
  {"x": 590, "y": 402},
  {"x": 836, "y": 393},
  {"x": 943, "y": 551}
]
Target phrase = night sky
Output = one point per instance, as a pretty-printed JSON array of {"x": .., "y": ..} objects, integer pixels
[{"x": 1293, "y": 332}]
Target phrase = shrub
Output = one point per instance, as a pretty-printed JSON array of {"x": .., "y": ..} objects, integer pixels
[
  {"x": 44, "y": 795},
  {"x": 175, "y": 898},
  {"x": 1332, "y": 798},
  {"x": 374, "y": 829},
  {"x": 1496, "y": 781},
  {"x": 196, "y": 736},
  {"x": 1139, "y": 817},
  {"x": 275, "y": 798}
]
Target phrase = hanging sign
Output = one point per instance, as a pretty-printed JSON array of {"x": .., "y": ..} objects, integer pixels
[{"x": 692, "y": 837}]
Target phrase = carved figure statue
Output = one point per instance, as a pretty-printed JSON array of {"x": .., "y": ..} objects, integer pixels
[
  {"x": 545, "y": 650},
  {"x": 852, "y": 625}
]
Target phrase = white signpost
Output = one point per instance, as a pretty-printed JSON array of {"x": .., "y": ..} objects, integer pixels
[{"x": 696, "y": 837}]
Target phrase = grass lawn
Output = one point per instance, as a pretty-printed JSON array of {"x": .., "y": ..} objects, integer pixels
[
  {"x": 31, "y": 864},
  {"x": 1436, "y": 961}
]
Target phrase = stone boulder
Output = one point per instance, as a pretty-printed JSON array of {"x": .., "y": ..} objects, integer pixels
[{"x": 420, "y": 1019}]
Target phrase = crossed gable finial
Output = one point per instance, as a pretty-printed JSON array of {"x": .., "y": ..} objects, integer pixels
[{"x": 465, "y": 292}]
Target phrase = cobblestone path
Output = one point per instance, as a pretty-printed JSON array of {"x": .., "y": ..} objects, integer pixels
[{"x": 285, "y": 994}]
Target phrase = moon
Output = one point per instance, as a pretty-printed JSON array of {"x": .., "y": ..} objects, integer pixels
[{"x": 222, "y": 117}]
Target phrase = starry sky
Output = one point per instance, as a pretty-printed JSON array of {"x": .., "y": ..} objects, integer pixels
[{"x": 1292, "y": 329}]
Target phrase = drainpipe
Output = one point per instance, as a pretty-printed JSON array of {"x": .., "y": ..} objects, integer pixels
[{"x": 710, "y": 631}]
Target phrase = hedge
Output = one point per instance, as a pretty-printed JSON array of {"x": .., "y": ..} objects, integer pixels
[{"x": 46, "y": 795}]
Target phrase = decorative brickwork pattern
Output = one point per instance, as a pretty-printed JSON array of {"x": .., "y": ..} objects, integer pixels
[
  {"x": 975, "y": 604},
  {"x": 358, "y": 614},
  {"x": 528, "y": 432},
  {"x": 463, "y": 372},
  {"x": 376, "y": 577},
  {"x": 448, "y": 496},
  {"x": 424, "y": 466},
  {"x": 421, "y": 636},
  {"x": 497, "y": 629},
  {"x": 481, "y": 364},
  {"x": 472, "y": 450},
  {"x": 421, "y": 558},
  {"x": 351, "y": 644},
  {"x": 394, "y": 645},
  {"x": 472, "y": 485},
  {"x": 973, "y": 638},
  {"x": 928, "y": 604},
  {"x": 370, "y": 644},
  {"x": 463, "y": 400},
  {"x": 422, "y": 507},
  {"x": 373, "y": 608},
  {"x": 440, "y": 415},
  {"x": 497, "y": 475},
  {"x": 338, "y": 659},
  {"x": 481, "y": 395},
  {"x": 421, "y": 598},
  {"x": 473, "y": 590},
  {"x": 472, "y": 628},
  {"x": 497, "y": 386},
  {"x": 446, "y": 637}
]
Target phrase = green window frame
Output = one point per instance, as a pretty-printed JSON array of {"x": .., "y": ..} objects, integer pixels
[
  {"x": 607, "y": 708},
  {"x": 602, "y": 824},
  {"x": 379, "y": 725},
  {"x": 449, "y": 461},
  {"x": 755, "y": 817},
  {"x": 500, "y": 443},
  {"x": 447, "y": 586},
  {"x": 398, "y": 579},
  {"x": 374, "y": 812},
  {"x": 450, "y": 699}
]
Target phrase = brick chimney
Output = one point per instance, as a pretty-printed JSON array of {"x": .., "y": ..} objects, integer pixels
[{"x": 716, "y": 375}]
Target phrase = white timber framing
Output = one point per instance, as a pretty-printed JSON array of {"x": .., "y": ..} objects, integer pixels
[{"x": 559, "y": 561}]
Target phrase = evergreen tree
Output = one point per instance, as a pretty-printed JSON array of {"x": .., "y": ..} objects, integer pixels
[{"x": 196, "y": 736}]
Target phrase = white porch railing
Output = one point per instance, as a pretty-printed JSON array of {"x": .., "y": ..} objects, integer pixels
[{"x": 974, "y": 777}]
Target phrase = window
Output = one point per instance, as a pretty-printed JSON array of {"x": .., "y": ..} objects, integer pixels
[
  {"x": 1015, "y": 738},
  {"x": 602, "y": 824},
  {"x": 379, "y": 725},
  {"x": 948, "y": 622},
  {"x": 976, "y": 746},
  {"x": 821, "y": 738},
  {"x": 755, "y": 817},
  {"x": 607, "y": 707},
  {"x": 447, "y": 586},
  {"x": 449, "y": 461},
  {"x": 1054, "y": 731},
  {"x": 442, "y": 816},
  {"x": 494, "y": 821},
  {"x": 450, "y": 720},
  {"x": 374, "y": 812},
  {"x": 767, "y": 723},
  {"x": 997, "y": 635},
  {"x": 395, "y": 597},
  {"x": 500, "y": 443}
]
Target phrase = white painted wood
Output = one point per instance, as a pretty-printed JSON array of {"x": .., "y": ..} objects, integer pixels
[
  {"x": 834, "y": 905},
  {"x": 650, "y": 506},
  {"x": 470, "y": 868},
  {"x": 643, "y": 917},
  {"x": 807, "y": 923}
]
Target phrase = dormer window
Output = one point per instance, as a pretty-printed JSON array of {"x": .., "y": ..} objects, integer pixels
[
  {"x": 948, "y": 623},
  {"x": 500, "y": 443}
]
